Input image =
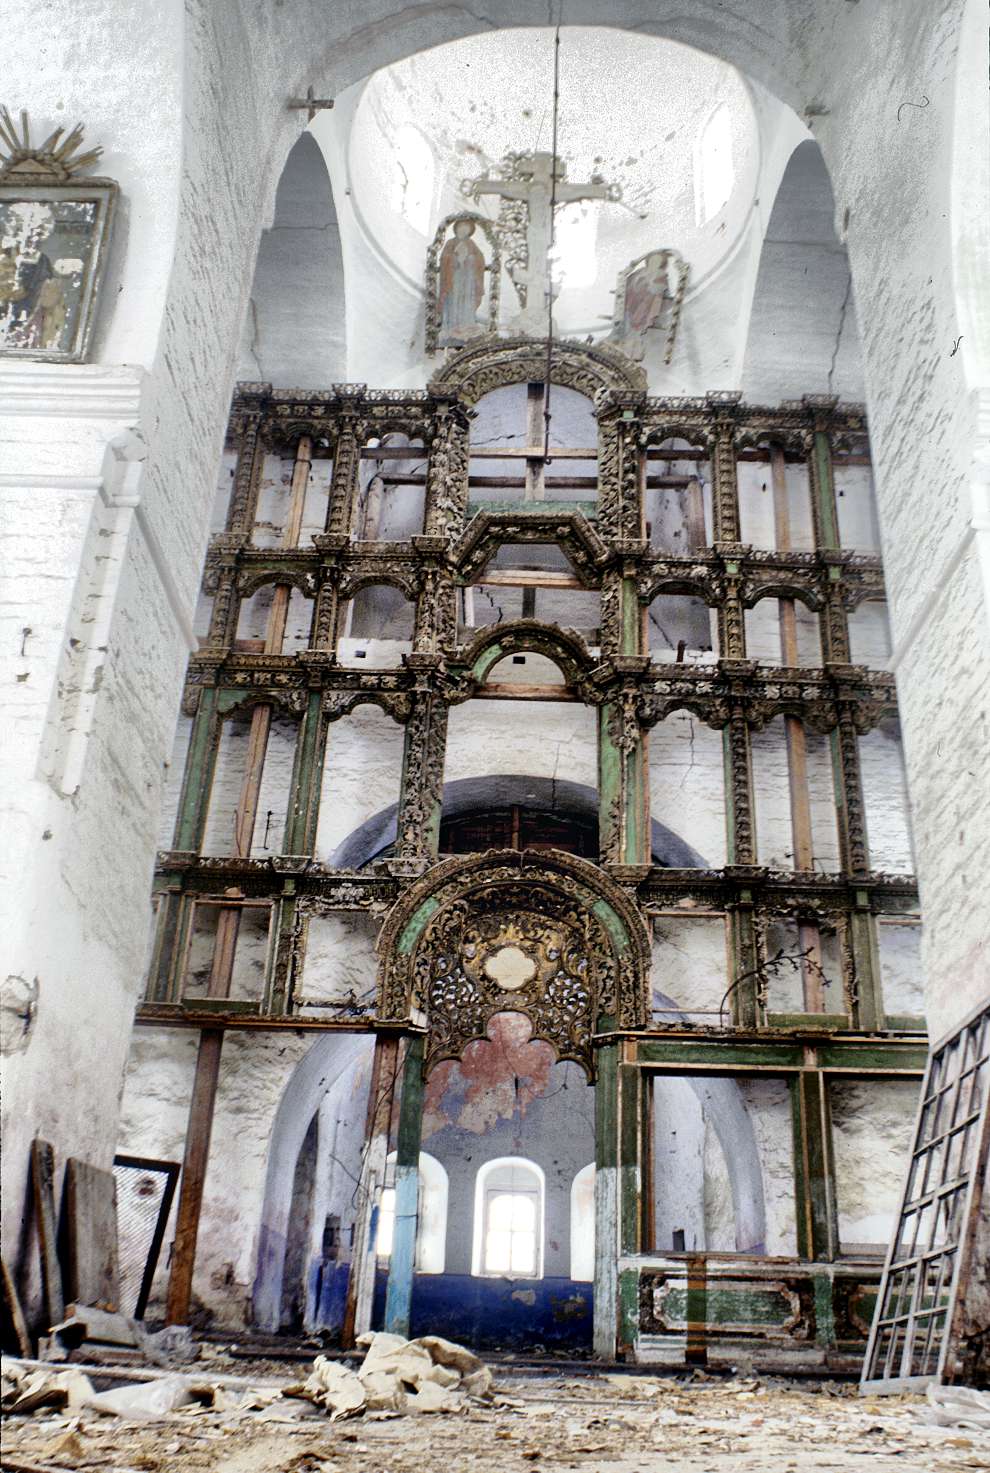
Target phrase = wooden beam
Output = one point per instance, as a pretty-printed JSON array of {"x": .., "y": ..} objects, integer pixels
[
  {"x": 809, "y": 936},
  {"x": 508, "y": 691},
  {"x": 527, "y": 578},
  {"x": 43, "y": 1185},
  {"x": 194, "y": 1163}
]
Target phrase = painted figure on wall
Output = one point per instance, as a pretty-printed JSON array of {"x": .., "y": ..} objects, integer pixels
[
  {"x": 462, "y": 287},
  {"x": 461, "y": 304},
  {"x": 54, "y": 233},
  {"x": 649, "y": 295}
]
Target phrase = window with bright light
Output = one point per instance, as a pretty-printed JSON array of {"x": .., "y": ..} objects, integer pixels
[
  {"x": 574, "y": 255},
  {"x": 508, "y": 1227},
  {"x": 583, "y": 1225},
  {"x": 714, "y": 176},
  {"x": 431, "y": 1227},
  {"x": 414, "y": 178}
]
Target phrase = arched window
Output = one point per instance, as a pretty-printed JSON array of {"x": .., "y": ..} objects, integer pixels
[
  {"x": 508, "y": 1219},
  {"x": 414, "y": 177},
  {"x": 713, "y": 172},
  {"x": 583, "y": 1224},
  {"x": 431, "y": 1232}
]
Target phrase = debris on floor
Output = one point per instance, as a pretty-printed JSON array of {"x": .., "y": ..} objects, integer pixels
[
  {"x": 425, "y": 1375},
  {"x": 339, "y": 1420}
]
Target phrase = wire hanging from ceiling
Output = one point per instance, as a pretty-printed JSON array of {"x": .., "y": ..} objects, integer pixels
[{"x": 552, "y": 235}]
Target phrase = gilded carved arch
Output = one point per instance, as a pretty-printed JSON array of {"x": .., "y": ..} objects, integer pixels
[
  {"x": 495, "y": 363},
  {"x": 251, "y": 579},
  {"x": 543, "y": 934},
  {"x": 564, "y": 647},
  {"x": 570, "y": 531},
  {"x": 351, "y": 584}
]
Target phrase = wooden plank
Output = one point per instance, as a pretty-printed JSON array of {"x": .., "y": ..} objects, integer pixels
[
  {"x": 92, "y": 1275},
  {"x": 509, "y": 691},
  {"x": 14, "y": 1330},
  {"x": 198, "y": 1132},
  {"x": 527, "y": 578},
  {"x": 43, "y": 1187}
]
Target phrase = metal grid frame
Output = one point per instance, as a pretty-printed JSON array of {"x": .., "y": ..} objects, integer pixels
[
  {"x": 928, "y": 1261},
  {"x": 150, "y": 1235}
]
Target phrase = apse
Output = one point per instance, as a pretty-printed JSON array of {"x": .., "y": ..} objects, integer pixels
[{"x": 294, "y": 328}]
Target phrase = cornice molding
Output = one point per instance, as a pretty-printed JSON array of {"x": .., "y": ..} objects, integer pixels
[{"x": 71, "y": 390}]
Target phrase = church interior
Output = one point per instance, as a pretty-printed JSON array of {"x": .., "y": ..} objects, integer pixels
[{"x": 498, "y": 652}]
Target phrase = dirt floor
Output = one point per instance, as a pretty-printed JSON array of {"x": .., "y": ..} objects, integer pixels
[{"x": 550, "y": 1420}]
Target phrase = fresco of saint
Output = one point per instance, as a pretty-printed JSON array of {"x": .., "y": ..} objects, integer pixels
[{"x": 462, "y": 287}]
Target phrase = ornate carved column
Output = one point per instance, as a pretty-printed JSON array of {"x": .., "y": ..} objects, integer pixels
[
  {"x": 740, "y": 827},
  {"x": 725, "y": 486},
  {"x": 741, "y": 851},
  {"x": 221, "y": 581},
  {"x": 834, "y": 617},
  {"x": 421, "y": 792},
  {"x": 853, "y": 848},
  {"x": 242, "y": 507},
  {"x": 447, "y": 471},
  {"x": 731, "y": 618},
  {"x": 346, "y": 468},
  {"x": 436, "y": 606}
]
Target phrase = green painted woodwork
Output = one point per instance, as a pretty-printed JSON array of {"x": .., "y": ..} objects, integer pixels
[
  {"x": 683, "y": 1053},
  {"x": 413, "y": 928},
  {"x": 824, "y": 1311},
  {"x": 307, "y": 773},
  {"x": 398, "y": 1296},
  {"x": 607, "y": 1107},
  {"x": 587, "y": 509},
  {"x": 828, "y": 520},
  {"x": 630, "y": 1085},
  {"x": 628, "y": 1307},
  {"x": 816, "y": 1022},
  {"x": 713, "y": 1303},
  {"x": 613, "y": 924},
  {"x": 201, "y": 761},
  {"x": 814, "y": 1170}
]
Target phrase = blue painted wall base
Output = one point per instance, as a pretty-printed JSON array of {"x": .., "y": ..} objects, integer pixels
[{"x": 522, "y": 1314}]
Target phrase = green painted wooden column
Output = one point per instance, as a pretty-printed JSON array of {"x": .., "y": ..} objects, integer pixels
[
  {"x": 402, "y": 1267},
  {"x": 197, "y": 782},
  {"x": 814, "y": 1167},
  {"x": 631, "y": 1149},
  {"x": 304, "y": 788},
  {"x": 606, "y": 1199}
]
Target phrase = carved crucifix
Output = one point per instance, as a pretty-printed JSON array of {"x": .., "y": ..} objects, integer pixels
[{"x": 529, "y": 179}]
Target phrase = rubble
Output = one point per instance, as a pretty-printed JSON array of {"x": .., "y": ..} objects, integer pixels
[{"x": 359, "y": 1420}]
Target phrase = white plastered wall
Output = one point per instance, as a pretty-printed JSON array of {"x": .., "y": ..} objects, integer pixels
[{"x": 906, "y": 184}]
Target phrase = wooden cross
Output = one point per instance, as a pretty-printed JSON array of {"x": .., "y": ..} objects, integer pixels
[
  {"x": 535, "y": 187},
  {"x": 310, "y": 102}
]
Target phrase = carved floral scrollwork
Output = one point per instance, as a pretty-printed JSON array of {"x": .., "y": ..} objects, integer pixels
[{"x": 514, "y": 932}]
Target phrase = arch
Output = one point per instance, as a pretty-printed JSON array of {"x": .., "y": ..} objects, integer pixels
[
  {"x": 582, "y": 1260},
  {"x": 570, "y": 531},
  {"x": 583, "y": 944},
  {"x": 294, "y": 328},
  {"x": 754, "y": 592},
  {"x": 803, "y": 336},
  {"x": 519, "y": 1176},
  {"x": 468, "y": 795},
  {"x": 431, "y": 1214},
  {"x": 564, "y": 647},
  {"x": 318, "y": 1071},
  {"x": 493, "y": 363},
  {"x": 734, "y": 1128}
]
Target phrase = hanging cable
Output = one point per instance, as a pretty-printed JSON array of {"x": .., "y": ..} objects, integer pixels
[{"x": 553, "y": 214}]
